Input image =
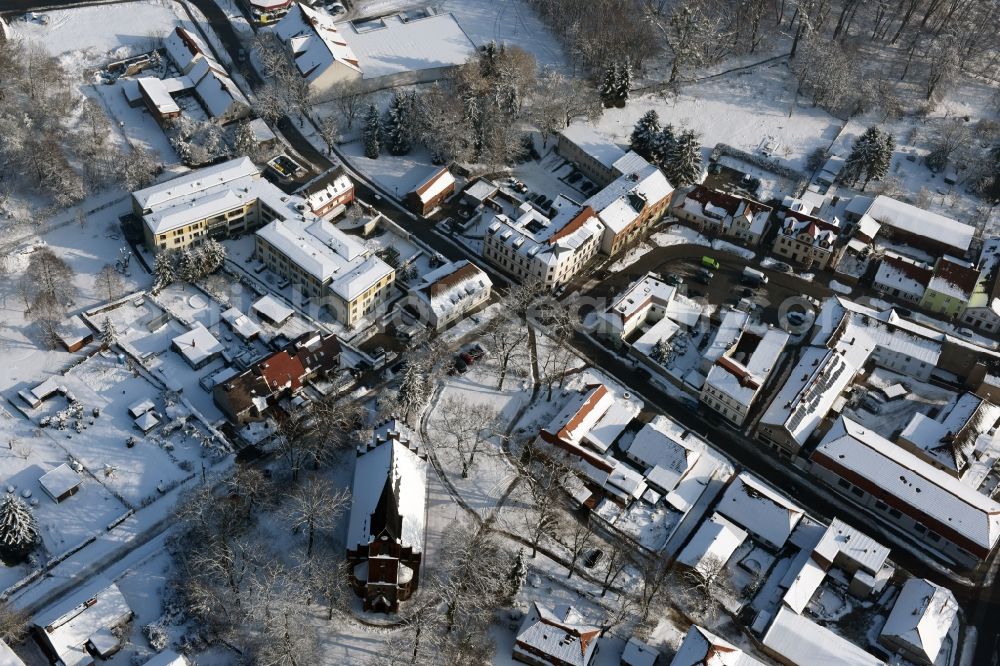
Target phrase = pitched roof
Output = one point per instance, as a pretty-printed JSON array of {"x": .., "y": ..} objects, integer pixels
[
  {"x": 801, "y": 642},
  {"x": 559, "y": 632},
  {"x": 701, "y": 647},
  {"x": 761, "y": 510},
  {"x": 922, "y": 617}
]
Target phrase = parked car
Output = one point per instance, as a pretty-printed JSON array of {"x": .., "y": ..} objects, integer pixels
[
  {"x": 477, "y": 351},
  {"x": 467, "y": 357},
  {"x": 796, "y": 318},
  {"x": 674, "y": 280}
]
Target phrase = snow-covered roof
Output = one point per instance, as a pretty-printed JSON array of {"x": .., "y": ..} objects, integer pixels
[
  {"x": 840, "y": 540},
  {"x": 218, "y": 94},
  {"x": 184, "y": 47},
  {"x": 762, "y": 511},
  {"x": 799, "y": 641},
  {"x": 921, "y": 618},
  {"x": 954, "y": 277},
  {"x": 598, "y": 146},
  {"x": 729, "y": 330},
  {"x": 244, "y": 326},
  {"x": 580, "y": 413},
  {"x": 327, "y": 254},
  {"x": 701, "y": 647},
  {"x": 712, "y": 545},
  {"x": 899, "y": 272},
  {"x": 610, "y": 426},
  {"x": 657, "y": 447},
  {"x": 396, "y": 44},
  {"x": 74, "y": 331},
  {"x": 915, "y": 221},
  {"x": 438, "y": 182},
  {"x": 167, "y": 658},
  {"x": 637, "y": 653},
  {"x": 935, "y": 498},
  {"x": 624, "y": 199},
  {"x": 158, "y": 92},
  {"x": 331, "y": 191},
  {"x": 261, "y": 132},
  {"x": 73, "y": 621},
  {"x": 195, "y": 182},
  {"x": 452, "y": 287},
  {"x": 391, "y": 460},
  {"x": 8, "y": 657},
  {"x": 806, "y": 581},
  {"x": 315, "y": 41},
  {"x": 147, "y": 421},
  {"x": 559, "y": 632},
  {"x": 272, "y": 309},
  {"x": 538, "y": 238},
  {"x": 59, "y": 481},
  {"x": 637, "y": 299},
  {"x": 197, "y": 344},
  {"x": 742, "y": 380}
]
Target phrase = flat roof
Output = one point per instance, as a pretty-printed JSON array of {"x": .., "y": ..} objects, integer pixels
[
  {"x": 599, "y": 146},
  {"x": 393, "y": 45},
  {"x": 194, "y": 182}
]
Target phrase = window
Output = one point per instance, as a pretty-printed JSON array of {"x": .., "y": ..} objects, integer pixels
[
  {"x": 857, "y": 491},
  {"x": 895, "y": 514},
  {"x": 919, "y": 529},
  {"x": 843, "y": 483},
  {"x": 880, "y": 505},
  {"x": 934, "y": 536}
]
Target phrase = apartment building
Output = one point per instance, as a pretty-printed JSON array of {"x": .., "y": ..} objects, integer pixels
[
  {"x": 528, "y": 245},
  {"x": 735, "y": 381},
  {"x": 806, "y": 240},
  {"x": 327, "y": 266},
  {"x": 724, "y": 214}
]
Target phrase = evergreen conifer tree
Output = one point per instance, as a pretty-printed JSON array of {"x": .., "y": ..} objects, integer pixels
[
  {"x": 398, "y": 129},
  {"x": 645, "y": 134},
  {"x": 18, "y": 531},
  {"x": 682, "y": 163},
  {"x": 610, "y": 85},
  {"x": 109, "y": 334},
  {"x": 164, "y": 270},
  {"x": 372, "y": 133}
]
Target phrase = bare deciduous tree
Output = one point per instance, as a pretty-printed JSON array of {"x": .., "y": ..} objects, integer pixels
[
  {"x": 109, "y": 282},
  {"x": 466, "y": 425},
  {"x": 313, "y": 506}
]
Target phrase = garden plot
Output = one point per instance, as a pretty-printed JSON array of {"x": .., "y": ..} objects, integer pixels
[
  {"x": 28, "y": 455},
  {"x": 395, "y": 175},
  {"x": 138, "y": 474}
]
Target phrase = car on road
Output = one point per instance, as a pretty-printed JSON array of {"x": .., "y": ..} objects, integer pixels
[
  {"x": 781, "y": 267},
  {"x": 593, "y": 557},
  {"x": 710, "y": 262},
  {"x": 674, "y": 280}
]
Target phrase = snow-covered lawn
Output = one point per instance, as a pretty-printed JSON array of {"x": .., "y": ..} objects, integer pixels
[
  {"x": 732, "y": 248},
  {"x": 742, "y": 111},
  {"x": 396, "y": 175},
  {"x": 631, "y": 256},
  {"x": 678, "y": 234}
]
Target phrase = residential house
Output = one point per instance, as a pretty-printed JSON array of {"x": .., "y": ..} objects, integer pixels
[
  {"x": 385, "y": 534},
  {"x": 74, "y": 334},
  {"x": 904, "y": 223},
  {"x": 665, "y": 454},
  {"x": 951, "y": 287},
  {"x": 449, "y": 292},
  {"x": 198, "y": 346},
  {"x": 250, "y": 395},
  {"x": 431, "y": 193},
  {"x": 60, "y": 482},
  {"x": 902, "y": 278},
  {"x": 84, "y": 625},
  {"x": 630, "y": 204},
  {"x": 922, "y": 623},
  {"x": 807, "y": 240},
  {"x": 767, "y": 515},
  {"x": 329, "y": 199},
  {"x": 712, "y": 545},
  {"x": 320, "y": 51},
  {"x": 983, "y": 308},
  {"x": 960, "y": 440},
  {"x": 186, "y": 49},
  {"x": 723, "y": 214},
  {"x": 529, "y": 245},
  {"x": 555, "y": 636},
  {"x": 735, "y": 381},
  {"x": 647, "y": 301},
  {"x": 701, "y": 647},
  {"x": 927, "y": 503},
  {"x": 326, "y": 265},
  {"x": 638, "y": 653}
]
